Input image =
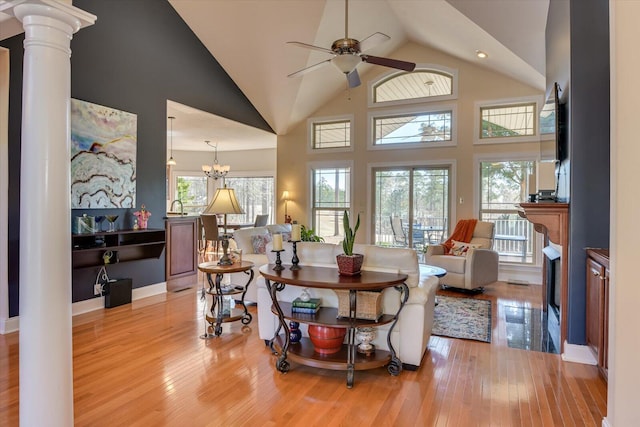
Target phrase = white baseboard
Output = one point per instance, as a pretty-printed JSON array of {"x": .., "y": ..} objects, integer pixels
[
  {"x": 578, "y": 354},
  {"x": 12, "y": 324},
  {"x": 522, "y": 274}
]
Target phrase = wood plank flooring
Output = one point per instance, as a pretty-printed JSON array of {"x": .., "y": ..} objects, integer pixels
[{"x": 144, "y": 364}]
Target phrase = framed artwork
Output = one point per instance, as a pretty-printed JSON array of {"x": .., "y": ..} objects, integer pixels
[{"x": 103, "y": 156}]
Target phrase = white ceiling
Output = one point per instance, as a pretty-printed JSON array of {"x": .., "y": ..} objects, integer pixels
[
  {"x": 248, "y": 38},
  {"x": 257, "y": 58}
]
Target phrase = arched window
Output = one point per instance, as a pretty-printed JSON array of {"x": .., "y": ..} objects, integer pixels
[{"x": 421, "y": 85}]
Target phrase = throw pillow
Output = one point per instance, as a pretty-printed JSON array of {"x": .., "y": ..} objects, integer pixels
[
  {"x": 259, "y": 243},
  {"x": 461, "y": 248}
]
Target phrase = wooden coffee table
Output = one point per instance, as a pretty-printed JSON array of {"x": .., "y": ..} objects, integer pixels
[
  {"x": 218, "y": 292},
  {"x": 328, "y": 278}
]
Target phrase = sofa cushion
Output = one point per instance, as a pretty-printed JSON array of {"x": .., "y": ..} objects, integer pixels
[
  {"x": 453, "y": 264},
  {"x": 461, "y": 248},
  {"x": 259, "y": 243},
  {"x": 242, "y": 237}
]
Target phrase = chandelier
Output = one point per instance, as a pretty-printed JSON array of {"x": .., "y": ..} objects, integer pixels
[{"x": 216, "y": 170}]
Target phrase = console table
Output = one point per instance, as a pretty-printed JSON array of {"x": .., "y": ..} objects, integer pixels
[
  {"x": 328, "y": 278},
  {"x": 217, "y": 315}
]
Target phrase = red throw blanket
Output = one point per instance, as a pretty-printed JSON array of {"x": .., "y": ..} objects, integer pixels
[{"x": 462, "y": 233}]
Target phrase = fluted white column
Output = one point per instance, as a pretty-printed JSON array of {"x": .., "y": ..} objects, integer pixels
[{"x": 46, "y": 370}]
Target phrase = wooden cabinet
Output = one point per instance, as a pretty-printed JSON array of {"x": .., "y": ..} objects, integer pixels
[
  {"x": 90, "y": 250},
  {"x": 182, "y": 253},
  {"x": 598, "y": 305}
]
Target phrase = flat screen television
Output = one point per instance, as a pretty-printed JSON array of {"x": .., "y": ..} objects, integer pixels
[{"x": 553, "y": 127}]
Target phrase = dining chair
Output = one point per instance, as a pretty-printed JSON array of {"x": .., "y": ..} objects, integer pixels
[
  {"x": 210, "y": 225},
  {"x": 261, "y": 220}
]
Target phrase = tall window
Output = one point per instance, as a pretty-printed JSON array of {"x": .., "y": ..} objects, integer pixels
[
  {"x": 503, "y": 185},
  {"x": 411, "y": 205},
  {"x": 255, "y": 195},
  {"x": 191, "y": 190},
  {"x": 331, "y": 197}
]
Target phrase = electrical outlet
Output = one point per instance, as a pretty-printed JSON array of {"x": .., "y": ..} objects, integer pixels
[{"x": 97, "y": 289}]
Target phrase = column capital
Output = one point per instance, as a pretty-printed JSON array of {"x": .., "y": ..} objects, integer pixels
[{"x": 71, "y": 15}]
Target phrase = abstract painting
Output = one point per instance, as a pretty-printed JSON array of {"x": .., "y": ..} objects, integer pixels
[{"x": 103, "y": 156}]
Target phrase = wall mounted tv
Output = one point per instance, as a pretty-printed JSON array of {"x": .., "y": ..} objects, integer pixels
[{"x": 553, "y": 127}]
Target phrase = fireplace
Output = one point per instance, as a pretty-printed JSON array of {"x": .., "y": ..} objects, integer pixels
[
  {"x": 553, "y": 288},
  {"x": 552, "y": 220},
  {"x": 552, "y": 260}
]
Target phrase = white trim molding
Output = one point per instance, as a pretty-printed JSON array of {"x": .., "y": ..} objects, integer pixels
[
  {"x": 578, "y": 354},
  {"x": 537, "y": 99}
]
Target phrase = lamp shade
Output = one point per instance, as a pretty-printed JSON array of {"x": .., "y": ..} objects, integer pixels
[
  {"x": 224, "y": 202},
  {"x": 285, "y": 195}
]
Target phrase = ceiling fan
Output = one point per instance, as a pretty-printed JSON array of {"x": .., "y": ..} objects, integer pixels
[{"x": 347, "y": 53}]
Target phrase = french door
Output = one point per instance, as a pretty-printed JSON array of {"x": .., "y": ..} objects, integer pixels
[{"x": 411, "y": 205}]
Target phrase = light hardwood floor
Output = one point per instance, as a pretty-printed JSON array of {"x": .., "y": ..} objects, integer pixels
[{"x": 143, "y": 365}]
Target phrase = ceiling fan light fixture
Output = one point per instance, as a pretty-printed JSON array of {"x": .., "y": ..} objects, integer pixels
[{"x": 346, "y": 62}]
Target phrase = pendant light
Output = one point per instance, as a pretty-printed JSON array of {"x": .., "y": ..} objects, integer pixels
[{"x": 171, "y": 162}]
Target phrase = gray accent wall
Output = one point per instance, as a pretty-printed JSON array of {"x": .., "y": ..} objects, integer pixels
[
  {"x": 578, "y": 58},
  {"x": 138, "y": 54}
]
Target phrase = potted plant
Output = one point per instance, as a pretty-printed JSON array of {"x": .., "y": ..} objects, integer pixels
[
  {"x": 349, "y": 264},
  {"x": 309, "y": 235}
]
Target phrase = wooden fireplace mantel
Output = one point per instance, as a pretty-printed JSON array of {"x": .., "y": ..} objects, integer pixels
[{"x": 552, "y": 220}]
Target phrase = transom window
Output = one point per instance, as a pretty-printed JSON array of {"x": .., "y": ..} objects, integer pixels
[
  {"x": 502, "y": 121},
  {"x": 423, "y": 127},
  {"x": 327, "y": 134},
  {"x": 331, "y": 197}
]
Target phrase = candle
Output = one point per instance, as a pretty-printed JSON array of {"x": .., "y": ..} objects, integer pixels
[
  {"x": 295, "y": 233},
  {"x": 277, "y": 242}
]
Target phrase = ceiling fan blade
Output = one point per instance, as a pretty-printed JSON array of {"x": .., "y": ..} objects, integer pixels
[
  {"x": 353, "y": 78},
  {"x": 373, "y": 40},
  {"x": 309, "y": 68},
  {"x": 312, "y": 47},
  {"x": 388, "y": 62}
]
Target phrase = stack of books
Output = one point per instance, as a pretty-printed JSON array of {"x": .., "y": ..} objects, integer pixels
[{"x": 307, "y": 307}]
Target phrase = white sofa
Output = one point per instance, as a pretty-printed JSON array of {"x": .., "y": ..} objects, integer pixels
[
  {"x": 242, "y": 239},
  {"x": 411, "y": 334}
]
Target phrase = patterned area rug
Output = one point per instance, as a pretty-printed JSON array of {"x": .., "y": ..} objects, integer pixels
[{"x": 466, "y": 318}]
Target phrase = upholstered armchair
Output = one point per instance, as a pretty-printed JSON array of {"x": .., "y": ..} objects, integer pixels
[{"x": 475, "y": 267}]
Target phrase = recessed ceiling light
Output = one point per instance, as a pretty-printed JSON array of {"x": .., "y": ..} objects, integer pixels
[{"x": 481, "y": 54}]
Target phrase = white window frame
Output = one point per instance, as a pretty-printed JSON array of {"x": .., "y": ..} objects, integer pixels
[
  {"x": 371, "y": 167},
  {"x": 311, "y": 168},
  {"x": 478, "y": 159},
  {"x": 330, "y": 119},
  {"x": 453, "y": 72},
  {"x": 258, "y": 174},
  {"x": 430, "y": 108},
  {"x": 173, "y": 193},
  {"x": 537, "y": 99}
]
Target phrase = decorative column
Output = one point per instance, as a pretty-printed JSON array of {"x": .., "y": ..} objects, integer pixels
[{"x": 46, "y": 369}]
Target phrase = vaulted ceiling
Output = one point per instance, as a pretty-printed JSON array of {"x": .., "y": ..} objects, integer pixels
[{"x": 248, "y": 38}]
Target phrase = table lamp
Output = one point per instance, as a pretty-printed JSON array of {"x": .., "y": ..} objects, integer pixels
[{"x": 224, "y": 202}]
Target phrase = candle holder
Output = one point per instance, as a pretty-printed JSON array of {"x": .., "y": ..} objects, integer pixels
[
  {"x": 295, "y": 260},
  {"x": 278, "y": 266}
]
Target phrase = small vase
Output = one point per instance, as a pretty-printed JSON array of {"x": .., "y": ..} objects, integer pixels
[
  {"x": 295, "y": 334},
  {"x": 365, "y": 336}
]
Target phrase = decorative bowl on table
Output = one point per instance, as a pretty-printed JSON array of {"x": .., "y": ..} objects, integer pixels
[{"x": 326, "y": 339}]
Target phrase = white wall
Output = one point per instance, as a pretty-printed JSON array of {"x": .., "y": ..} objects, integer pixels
[
  {"x": 624, "y": 335},
  {"x": 242, "y": 160}
]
